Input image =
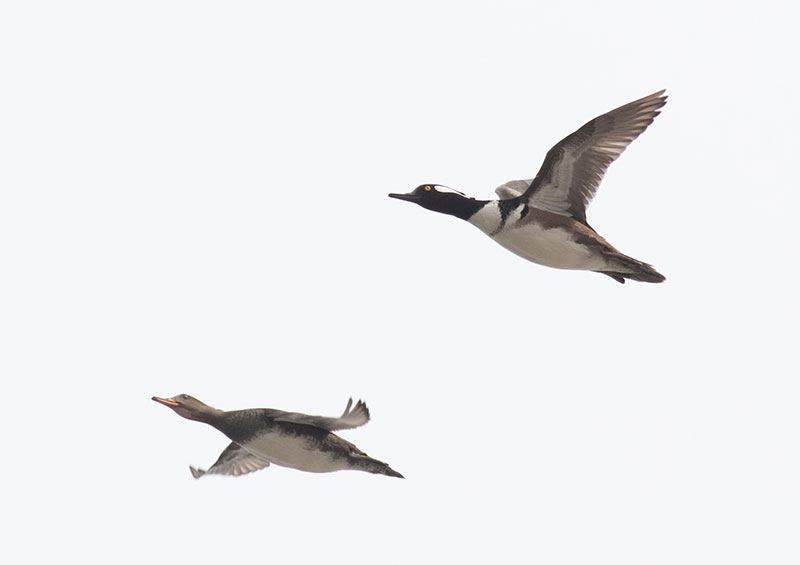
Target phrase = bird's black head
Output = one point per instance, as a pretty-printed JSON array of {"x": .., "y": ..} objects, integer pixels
[{"x": 442, "y": 199}]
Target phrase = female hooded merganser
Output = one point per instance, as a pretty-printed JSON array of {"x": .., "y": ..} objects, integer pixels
[
  {"x": 544, "y": 219},
  {"x": 261, "y": 436}
]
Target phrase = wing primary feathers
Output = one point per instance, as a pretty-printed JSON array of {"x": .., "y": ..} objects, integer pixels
[
  {"x": 347, "y": 408},
  {"x": 235, "y": 461},
  {"x": 352, "y": 417},
  {"x": 574, "y": 167}
]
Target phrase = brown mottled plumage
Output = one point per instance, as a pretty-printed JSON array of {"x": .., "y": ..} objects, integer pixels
[{"x": 261, "y": 436}]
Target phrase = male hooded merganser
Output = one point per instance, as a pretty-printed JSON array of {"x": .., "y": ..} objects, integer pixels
[
  {"x": 544, "y": 219},
  {"x": 261, "y": 436}
]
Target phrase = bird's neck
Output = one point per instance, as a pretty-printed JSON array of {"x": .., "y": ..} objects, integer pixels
[
  {"x": 210, "y": 416},
  {"x": 457, "y": 205}
]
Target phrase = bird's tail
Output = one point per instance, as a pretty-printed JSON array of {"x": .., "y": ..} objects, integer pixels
[
  {"x": 371, "y": 465},
  {"x": 389, "y": 472},
  {"x": 623, "y": 267}
]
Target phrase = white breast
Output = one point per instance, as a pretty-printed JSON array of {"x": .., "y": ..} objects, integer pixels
[
  {"x": 296, "y": 452},
  {"x": 488, "y": 218}
]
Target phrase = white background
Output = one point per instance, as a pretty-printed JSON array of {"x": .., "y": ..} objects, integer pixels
[{"x": 193, "y": 199}]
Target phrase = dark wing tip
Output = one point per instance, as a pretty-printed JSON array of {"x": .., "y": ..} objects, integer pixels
[
  {"x": 361, "y": 406},
  {"x": 389, "y": 472}
]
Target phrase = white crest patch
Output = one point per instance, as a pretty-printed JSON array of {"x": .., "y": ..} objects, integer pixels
[{"x": 442, "y": 188}]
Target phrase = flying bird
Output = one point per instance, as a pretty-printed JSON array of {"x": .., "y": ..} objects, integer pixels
[
  {"x": 262, "y": 436},
  {"x": 544, "y": 219}
]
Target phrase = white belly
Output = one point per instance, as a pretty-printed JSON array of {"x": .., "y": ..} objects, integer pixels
[
  {"x": 551, "y": 247},
  {"x": 296, "y": 452}
]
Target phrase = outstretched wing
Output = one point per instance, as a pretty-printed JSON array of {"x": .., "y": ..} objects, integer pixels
[
  {"x": 350, "y": 418},
  {"x": 574, "y": 167},
  {"x": 233, "y": 461},
  {"x": 512, "y": 189}
]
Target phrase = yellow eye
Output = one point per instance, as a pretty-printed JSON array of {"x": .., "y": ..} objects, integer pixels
[{"x": 427, "y": 188}]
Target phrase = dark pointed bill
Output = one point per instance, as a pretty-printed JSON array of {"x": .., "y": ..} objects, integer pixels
[
  {"x": 165, "y": 401},
  {"x": 411, "y": 197}
]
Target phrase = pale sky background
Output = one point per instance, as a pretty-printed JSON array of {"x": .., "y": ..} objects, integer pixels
[{"x": 193, "y": 199}]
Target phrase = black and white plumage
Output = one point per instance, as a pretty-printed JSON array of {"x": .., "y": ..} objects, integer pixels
[
  {"x": 544, "y": 219},
  {"x": 262, "y": 436}
]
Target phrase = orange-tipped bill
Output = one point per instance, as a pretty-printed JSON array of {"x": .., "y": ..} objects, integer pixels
[{"x": 166, "y": 401}]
